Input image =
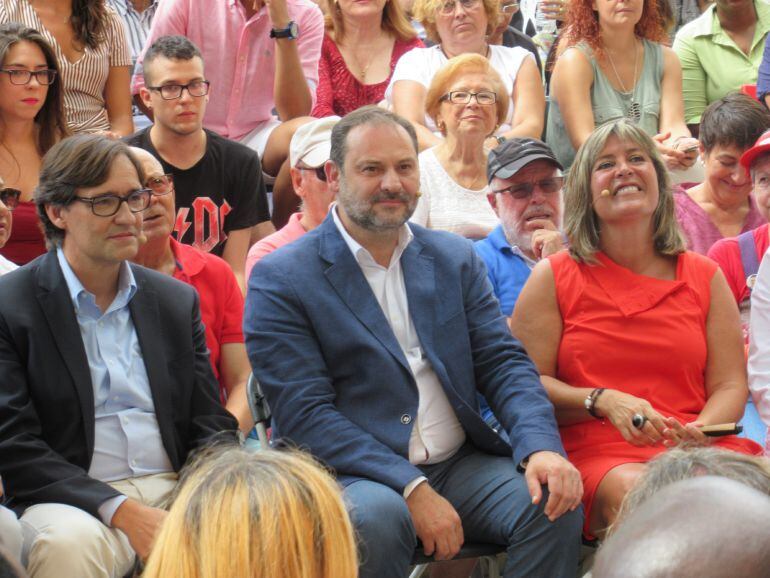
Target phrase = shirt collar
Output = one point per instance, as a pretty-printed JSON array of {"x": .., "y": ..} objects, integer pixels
[
  {"x": 405, "y": 237},
  {"x": 500, "y": 242},
  {"x": 707, "y": 24},
  {"x": 126, "y": 284}
]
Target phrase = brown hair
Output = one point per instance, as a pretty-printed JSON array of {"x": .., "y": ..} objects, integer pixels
[
  {"x": 52, "y": 126},
  {"x": 733, "y": 120},
  {"x": 83, "y": 160},
  {"x": 394, "y": 20},
  {"x": 457, "y": 67},
  {"x": 87, "y": 21}
]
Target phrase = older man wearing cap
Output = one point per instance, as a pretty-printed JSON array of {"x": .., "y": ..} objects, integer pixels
[
  {"x": 308, "y": 154},
  {"x": 221, "y": 300},
  {"x": 525, "y": 182}
]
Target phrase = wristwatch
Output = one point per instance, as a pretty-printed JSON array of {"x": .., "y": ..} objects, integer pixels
[
  {"x": 500, "y": 139},
  {"x": 291, "y": 31}
]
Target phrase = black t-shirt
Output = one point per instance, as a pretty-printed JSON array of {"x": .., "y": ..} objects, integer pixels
[{"x": 222, "y": 192}]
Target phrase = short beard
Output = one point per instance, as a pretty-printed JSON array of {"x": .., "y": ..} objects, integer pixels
[{"x": 360, "y": 211}]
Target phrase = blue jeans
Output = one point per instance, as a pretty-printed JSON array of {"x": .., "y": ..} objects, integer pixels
[{"x": 494, "y": 505}]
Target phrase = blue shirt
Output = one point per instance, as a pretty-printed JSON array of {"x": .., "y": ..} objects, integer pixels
[
  {"x": 127, "y": 441},
  {"x": 507, "y": 268}
]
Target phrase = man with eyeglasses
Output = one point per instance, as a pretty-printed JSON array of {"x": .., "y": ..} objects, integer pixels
[
  {"x": 220, "y": 197},
  {"x": 308, "y": 154},
  {"x": 105, "y": 381},
  {"x": 9, "y": 199},
  {"x": 525, "y": 183}
]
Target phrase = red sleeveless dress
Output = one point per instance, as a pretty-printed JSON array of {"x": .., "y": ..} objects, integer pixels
[{"x": 638, "y": 335}]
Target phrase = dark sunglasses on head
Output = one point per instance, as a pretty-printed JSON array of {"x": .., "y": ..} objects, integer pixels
[
  {"x": 319, "y": 172},
  {"x": 10, "y": 197}
]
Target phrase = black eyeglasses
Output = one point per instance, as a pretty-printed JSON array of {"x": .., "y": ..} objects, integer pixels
[
  {"x": 10, "y": 198},
  {"x": 109, "y": 204},
  {"x": 525, "y": 190},
  {"x": 172, "y": 91},
  {"x": 319, "y": 172},
  {"x": 21, "y": 76},
  {"x": 161, "y": 185},
  {"x": 485, "y": 97}
]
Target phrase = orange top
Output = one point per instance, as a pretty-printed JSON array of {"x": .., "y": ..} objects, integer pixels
[{"x": 635, "y": 334}]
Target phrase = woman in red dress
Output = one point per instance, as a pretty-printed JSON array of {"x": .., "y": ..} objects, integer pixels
[
  {"x": 363, "y": 42},
  {"x": 638, "y": 340}
]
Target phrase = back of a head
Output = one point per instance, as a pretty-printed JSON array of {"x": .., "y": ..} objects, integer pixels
[
  {"x": 706, "y": 526},
  {"x": 253, "y": 515}
]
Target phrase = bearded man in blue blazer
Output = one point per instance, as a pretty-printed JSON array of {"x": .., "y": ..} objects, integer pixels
[{"x": 371, "y": 337}]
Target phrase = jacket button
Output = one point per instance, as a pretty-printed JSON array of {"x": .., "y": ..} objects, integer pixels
[{"x": 406, "y": 419}]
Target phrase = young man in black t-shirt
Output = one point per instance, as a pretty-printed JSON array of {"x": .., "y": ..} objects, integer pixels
[{"x": 220, "y": 197}]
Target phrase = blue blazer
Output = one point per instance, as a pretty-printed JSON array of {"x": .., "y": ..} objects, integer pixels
[{"x": 337, "y": 380}]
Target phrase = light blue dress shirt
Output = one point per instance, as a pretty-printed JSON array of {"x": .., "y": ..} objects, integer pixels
[{"x": 127, "y": 441}]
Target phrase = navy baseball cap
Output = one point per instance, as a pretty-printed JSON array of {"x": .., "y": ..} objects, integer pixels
[{"x": 508, "y": 158}]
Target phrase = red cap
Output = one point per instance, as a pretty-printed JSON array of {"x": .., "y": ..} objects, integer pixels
[{"x": 760, "y": 147}]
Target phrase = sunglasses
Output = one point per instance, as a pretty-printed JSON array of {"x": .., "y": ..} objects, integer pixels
[
  {"x": 319, "y": 172},
  {"x": 10, "y": 197}
]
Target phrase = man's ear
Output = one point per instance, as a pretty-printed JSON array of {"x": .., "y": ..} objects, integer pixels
[
  {"x": 296, "y": 181},
  {"x": 144, "y": 94},
  {"x": 54, "y": 213},
  {"x": 492, "y": 198},
  {"x": 333, "y": 175}
]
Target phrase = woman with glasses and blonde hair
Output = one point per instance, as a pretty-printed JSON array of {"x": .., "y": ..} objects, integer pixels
[
  {"x": 255, "y": 515},
  {"x": 31, "y": 122},
  {"x": 221, "y": 300},
  {"x": 638, "y": 341},
  {"x": 461, "y": 27},
  {"x": 467, "y": 101},
  {"x": 362, "y": 44}
]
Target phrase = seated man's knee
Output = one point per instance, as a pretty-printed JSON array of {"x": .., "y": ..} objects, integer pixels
[
  {"x": 72, "y": 541},
  {"x": 378, "y": 511}
]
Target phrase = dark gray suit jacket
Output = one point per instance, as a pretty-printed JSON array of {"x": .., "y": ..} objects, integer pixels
[{"x": 46, "y": 396}]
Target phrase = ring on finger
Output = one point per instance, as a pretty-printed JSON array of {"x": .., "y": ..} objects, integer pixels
[{"x": 638, "y": 420}]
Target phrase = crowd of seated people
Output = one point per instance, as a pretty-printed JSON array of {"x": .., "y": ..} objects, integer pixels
[{"x": 460, "y": 286}]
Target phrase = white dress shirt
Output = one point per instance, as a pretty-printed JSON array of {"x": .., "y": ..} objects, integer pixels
[
  {"x": 759, "y": 344},
  {"x": 436, "y": 433}
]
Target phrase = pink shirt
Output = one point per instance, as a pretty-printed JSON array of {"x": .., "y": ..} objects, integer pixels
[
  {"x": 238, "y": 55},
  {"x": 290, "y": 232}
]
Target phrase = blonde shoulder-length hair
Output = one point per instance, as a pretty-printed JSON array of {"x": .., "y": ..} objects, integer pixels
[
  {"x": 581, "y": 224},
  {"x": 394, "y": 20},
  {"x": 456, "y": 68},
  {"x": 267, "y": 514}
]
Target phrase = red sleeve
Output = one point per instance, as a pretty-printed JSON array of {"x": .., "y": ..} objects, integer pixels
[
  {"x": 727, "y": 255},
  {"x": 324, "y": 96},
  {"x": 232, "y": 321}
]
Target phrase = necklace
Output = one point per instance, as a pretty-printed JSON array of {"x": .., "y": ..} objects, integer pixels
[{"x": 634, "y": 112}]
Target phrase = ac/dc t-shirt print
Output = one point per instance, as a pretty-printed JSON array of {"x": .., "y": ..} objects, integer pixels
[{"x": 222, "y": 192}]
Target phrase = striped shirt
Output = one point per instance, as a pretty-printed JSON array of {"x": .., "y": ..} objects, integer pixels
[
  {"x": 137, "y": 24},
  {"x": 84, "y": 80}
]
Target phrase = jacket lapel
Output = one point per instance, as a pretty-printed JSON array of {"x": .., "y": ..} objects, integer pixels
[
  {"x": 345, "y": 276},
  {"x": 56, "y": 304},
  {"x": 420, "y": 281}
]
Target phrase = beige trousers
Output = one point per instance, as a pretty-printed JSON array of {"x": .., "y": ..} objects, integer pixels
[{"x": 62, "y": 541}]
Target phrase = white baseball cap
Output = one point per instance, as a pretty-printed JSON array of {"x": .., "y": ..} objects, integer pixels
[{"x": 311, "y": 143}]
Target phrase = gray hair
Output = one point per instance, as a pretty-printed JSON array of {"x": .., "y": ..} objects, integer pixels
[
  {"x": 688, "y": 462},
  {"x": 581, "y": 224},
  {"x": 76, "y": 162},
  {"x": 372, "y": 115},
  {"x": 758, "y": 159}
]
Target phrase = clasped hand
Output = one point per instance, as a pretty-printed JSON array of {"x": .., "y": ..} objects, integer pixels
[{"x": 619, "y": 408}]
